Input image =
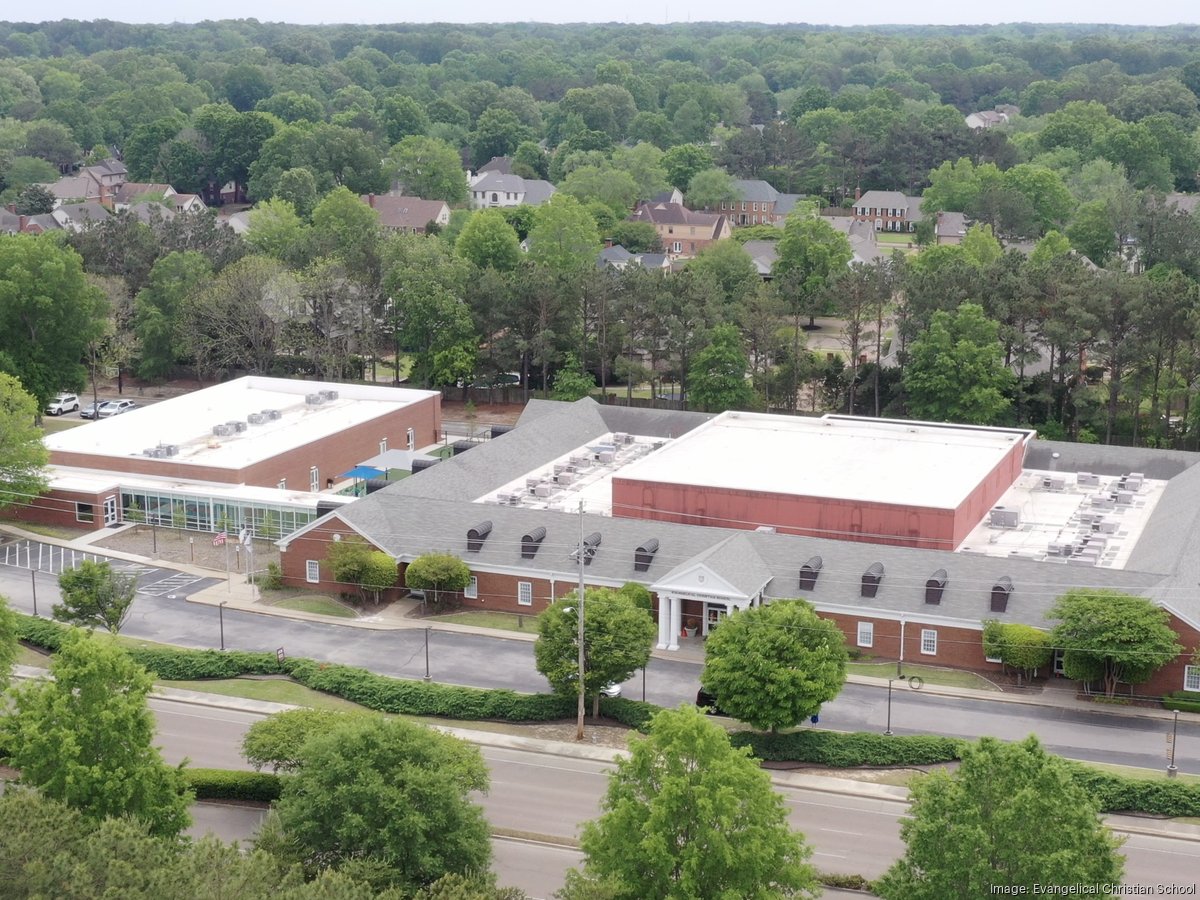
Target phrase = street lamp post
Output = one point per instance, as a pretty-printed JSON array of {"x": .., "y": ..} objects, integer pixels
[
  {"x": 579, "y": 611},
  {"x": 888, "y": 730},
  {"x": 1172, "y": 771},
  {"x": 428, "y": 677},
  {"x": 221, "y": 618}
]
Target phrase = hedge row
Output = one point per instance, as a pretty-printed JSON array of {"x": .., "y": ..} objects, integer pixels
[
  {"x": 223, "y": 784},
  {"x": 861, "y": 748},
  {"x": 1158, "y": 797},
  {"x": 1184, "y": 701}
]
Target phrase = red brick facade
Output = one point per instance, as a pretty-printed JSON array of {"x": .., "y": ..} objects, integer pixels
[{"x": 66, "y": 508}]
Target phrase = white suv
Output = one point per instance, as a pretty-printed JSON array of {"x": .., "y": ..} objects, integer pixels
[{"x": 62, "y": 403}]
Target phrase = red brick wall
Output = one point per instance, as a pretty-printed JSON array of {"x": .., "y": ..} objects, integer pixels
[
  {"x": 332, "y": 455},
  {"x": 1170, "y": 677},
  {"x": 1003, "y": 475},
  {"x": 959, "y": 648},
  {"x": 58, "y": 508}
]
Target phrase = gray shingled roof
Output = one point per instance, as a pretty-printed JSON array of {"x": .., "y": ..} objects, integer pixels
[
  {"x": 431, "y": 511},
  {"x": 753, "y": 189}
]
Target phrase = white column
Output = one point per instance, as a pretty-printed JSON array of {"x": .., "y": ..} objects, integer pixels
[
  {"x": 664, "y": 621},
  {"x": 676, "y": 622}
]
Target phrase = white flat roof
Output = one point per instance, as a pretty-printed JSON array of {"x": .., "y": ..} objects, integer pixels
[
  {"x": 838, "y": 457},
  {"x": 64, "y": 478},
  {"x": 188, "y": 421}
]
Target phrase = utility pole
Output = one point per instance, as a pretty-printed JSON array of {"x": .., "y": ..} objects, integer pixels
[{"x": 579, "y": 610}]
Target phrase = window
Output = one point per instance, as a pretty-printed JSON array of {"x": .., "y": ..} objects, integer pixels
[
  {"x": 743, "y": 206},
  {"x": 929, "y": 642},
  {"x": 1191, "y": 678},
  {"x": 412, "y": 439},
  {"x": 866, "y": 634},
  {"x": 754, "y": 207},
  {"x": 525, "y": 593},
  {"x": 314, "y": 479},
  {"x": 383, "y": 445},
  {"x": 85, "y": 512},
  {"x": 282, "y": 485},
  {"x": 677, "y": 247},
  {"x": 495, "y": 198},
  {"x": 471, "y": 591},
  {"x": 312, "y": 571}
]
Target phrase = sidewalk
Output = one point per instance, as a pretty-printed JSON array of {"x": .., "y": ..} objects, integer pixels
[{"x": 237, "y": 593}]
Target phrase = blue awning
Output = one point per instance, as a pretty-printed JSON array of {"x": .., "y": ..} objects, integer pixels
[{"x": 363, "y": 472}]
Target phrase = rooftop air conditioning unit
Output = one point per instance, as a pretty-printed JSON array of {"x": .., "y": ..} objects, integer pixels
[
  {"x": 222, "y": 430},
  {"x": 151, "y": 452},
  {"x": 314, "y": 399},
  {"x": 543, "y": 490},
  {"x": 272, "y": 414},
  {"x": 256, "y": 418},
  {"x": 564, "y": 477},
  {"x": 169, "y": 449},
  {"x": 607, "y": 456},
  {"x": 1003, "y": 517},
  {"x": 237, "y": 425},
  {"x": 329, "y": 395}
]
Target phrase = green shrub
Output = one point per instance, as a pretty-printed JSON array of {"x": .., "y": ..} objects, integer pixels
[
  {"x": 1116, "y": 793},
  {"x": 849, "y": 882},
  {"x": 271, "y": 579},
  {"x": 41, "y": 633},
  {"x": 221, "y": 784},
  {"x": 630, "y": 713},
  {"x": 861, "y": 748},
  {"x": 196, "y": 665},
  {"x": 1184, "y": 701}
]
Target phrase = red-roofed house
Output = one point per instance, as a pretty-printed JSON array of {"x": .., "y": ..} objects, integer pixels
[
  {"x": 408, "y": 215},
  {"x": 683, "y": 232}
]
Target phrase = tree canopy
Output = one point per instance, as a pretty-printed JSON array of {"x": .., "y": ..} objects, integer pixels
[
  {"x": 93, "y": 594},
  {"x": 23, "y": 456},
  {"x": 985, "y": 824}
]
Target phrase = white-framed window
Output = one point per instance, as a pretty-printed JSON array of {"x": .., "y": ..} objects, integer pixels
[
  {"x": 412, "y": 439},
  {"x": 314, "y": 478},
  {"x": 677, "y": 247},
  {"x": 929, "y": 641},
  {"x": 525, "y": 593},
  {"x": 383, "y": 445},
  {"x": 866, "y": 634},
  {"x": 312, "y": 571},
  {"x": 471, "y": 591},
  {"x": 282, "y": 484},
  {"x": 1191, "y": 678},
  {"x": 85, "y": 512}
]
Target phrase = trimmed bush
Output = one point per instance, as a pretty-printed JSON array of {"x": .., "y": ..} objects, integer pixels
[
  {"x": 630, "y": 713},
  {"x": 222, "y": 784},
  {"x": 41, "y": 633},
  {"x": 861, "y": 748},
  {"x": 1184, "y": 701},
  {"x": 196, "y": 665},
  {"x": 1116, "y": 793}
]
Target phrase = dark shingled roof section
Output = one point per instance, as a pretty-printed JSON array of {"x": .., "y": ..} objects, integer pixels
[{"x": 432, "y": 511}]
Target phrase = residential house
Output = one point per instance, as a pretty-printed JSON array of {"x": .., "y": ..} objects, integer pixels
[
  {"x": 187, "y": 203},
  {"x": 407, "y": 215},
  {"x": 758, "y": 204},
  {"x": 617, "y": 257},
  {"x": 988, "y": 118},
  {"x": 888, "y": 210},
  {"x": 951, "y": 228},
  {"x": 77, "y": 216},
  {"x": 493, "y": 189},
  {"x": 674, "y": 195},
  {"x": 683, "y": 232},
  {"x": 98, "y": 182},
  {"x": 12, "y": 222},
  {"x": 501, "y": 165}
]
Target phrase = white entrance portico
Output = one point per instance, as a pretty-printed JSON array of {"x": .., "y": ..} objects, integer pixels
[{"x": 727, "y": 577}]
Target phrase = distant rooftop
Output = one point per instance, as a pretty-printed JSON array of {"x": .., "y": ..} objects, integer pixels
[
  {"x": 837, "y": 457},
  {"x": 274, "y": 413}
]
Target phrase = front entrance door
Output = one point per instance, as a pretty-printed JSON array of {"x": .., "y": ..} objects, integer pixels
[
  {"x": 110, "y": 511},
  {"x": 1058, "y": 663},
  {"x": 713, "y": 616}
]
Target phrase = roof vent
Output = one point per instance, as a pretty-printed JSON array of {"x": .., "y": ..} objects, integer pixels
[
  {"x": 169, "y": 449},
  {"x": 477, "y": 535},
  {"x": 531, "y": 540},
  {"x": 420, "y": 465},
  {"x": 643, "y": 556},
  {"x": 460, "y": 447},
  {"x": 809, "y": 572},
  {"x": 497, "y": 430},
  {"x": 590, "y": 543},
  {"x": 871, "y": 579},
  {"x": 1001, "y": 591},
  {"x": 934, "y": 586}
]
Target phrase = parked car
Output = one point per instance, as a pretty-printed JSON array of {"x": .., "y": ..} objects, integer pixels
[
  {"x": 708, "y": 703},
  {"x": 611, "y": 690},
  {"x": 89, "y": 411},
  {"x": 63, "y": 402},
  {"x": 115, "y": 408}
]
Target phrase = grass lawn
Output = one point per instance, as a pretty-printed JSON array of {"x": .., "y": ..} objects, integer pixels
[
  {"x": 27, "y": 656},
  {"x": 932, "y": 675},
  {"x": 1143, "y": 774},
  {"x": 61, "y": 423},
  {"x": 53, "y": 531},
  {"x": 317, "y": 603},
  {"x": 498, "y": 620},
  {"x": 274, "y": 690},
  {"x": 894, "y": 237}
]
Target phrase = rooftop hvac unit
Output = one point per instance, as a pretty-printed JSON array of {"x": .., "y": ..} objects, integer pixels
[
  {"x": 559, "y": 468},
  {"x": 237, "y": 425},
  {"x": 1003, "y": 517},
  {"x": 272, "y": 414},
  {"x": 564, "y": 477},
  {"x": 621, "y": 437},
  {"x": 607, "y": 456},
  {"x": 329, "y": 395},
  {"x": 314, "y": 399},
  {"x": 531, "y": 484},
  {"x": 543, "y": 490},
  {"x": 1124, "y": 498},
  {"x": 765, "y": 529},
  {"x": 1054, "y": 483},
  {"x": 151, "y": 452},
  {"x": 222, "y": 430},
  {"x": 1087, "y": 479},
  {"x": 580, "y": 462},
  {"x": 256, "y": 418},
  {"x": 169, "y": 449}
]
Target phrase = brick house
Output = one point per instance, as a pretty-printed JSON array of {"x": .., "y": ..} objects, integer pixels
[
  {"x": 407, "y": 215},
  {"x": 757, "y": 203},
  {"x": 888, "y": 210},
  {"x": 683, "y": 232}
]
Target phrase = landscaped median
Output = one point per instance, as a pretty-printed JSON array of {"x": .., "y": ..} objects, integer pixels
[{"x": 1112, "y": 792}]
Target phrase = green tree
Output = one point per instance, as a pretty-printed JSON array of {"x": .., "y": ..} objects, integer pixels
[
  {"x": 617, "y": 635},
  {"x": 773, "y": 666},
  {"x": 571, "y": 382},
  {"x": 378, "y": 574},
  {"x": 277, "y": 231},
  {"x": 437, "y": 572},
  {"x": 708, "y": 823},
  {"x": 34, "y": 200},
  {"x": 615, "y": 189},
  {"x": 984, "y": 824},
  {"x": 93, "y": 594},
  {"x": 1044, "y": 190},
  {"x": 980, "y": 246},
  {"x": 388, "y": 799},
  {"x": 564, "y": 236},
  {"x": 489, "y": 240},
  {"x": 683, "y": 161},
  {"x": 1022, "y": 647},
  {"x": 497, "y": 133},
  {"x": 298, "y": 187},
  {"x": 48, "y": 314},
  {"x": 1093, "y": 232},
  {"x": 9, "y": 626},
  {"x": 23, "y": 456},
  {"x": 277, "y": 740},
  {"x": 717, "y": 376},
  {"x": 1112, "y": 637},
  {"x": 85, "y": 737},
  {"x": 729, "y": 265},
  {"x": 710, "y": 187},
  {"x": 429, "y": 168},
  {"x": 956, "y": 372},
  {"x": 157, "y": 310},
  {"x": 637, "y": 237},
  {"x": 402, "y": 116}
]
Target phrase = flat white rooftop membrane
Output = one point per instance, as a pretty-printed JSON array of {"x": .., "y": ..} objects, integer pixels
[{"x": 840, "y": 458}]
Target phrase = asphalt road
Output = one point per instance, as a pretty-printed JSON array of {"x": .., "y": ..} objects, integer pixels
[{"x": 551, "y": 795}]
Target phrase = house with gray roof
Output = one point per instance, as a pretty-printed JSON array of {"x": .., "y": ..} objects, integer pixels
[
  {"x": 888, "y": 210},
  {"x": 757, "y": 203},
  {"x": 497, "y": 189},
  {"x": 510, "y": 509}
]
